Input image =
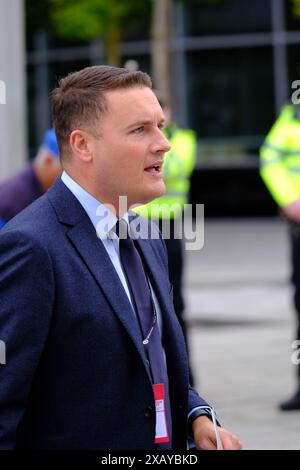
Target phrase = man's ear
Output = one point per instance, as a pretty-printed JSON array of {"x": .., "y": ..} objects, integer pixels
[{"x": 79, "y": 143}]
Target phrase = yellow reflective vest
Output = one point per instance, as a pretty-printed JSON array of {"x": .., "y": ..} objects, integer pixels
[
  {"x": 178, "y": 165},
  {"x": 280, "y": 157}
]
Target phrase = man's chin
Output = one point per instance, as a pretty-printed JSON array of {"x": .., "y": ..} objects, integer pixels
[
  {"x": 146, "y": 198},
  {"x": 155, "y": 194}
]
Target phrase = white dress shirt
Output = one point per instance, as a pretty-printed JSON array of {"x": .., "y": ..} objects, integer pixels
[{"x": 104, "y": 222}]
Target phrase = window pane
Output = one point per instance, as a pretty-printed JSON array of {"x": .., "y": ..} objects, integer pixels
[
  {"x": 292, "y": 9},
  {"x": 293, "y": 64},
  {"x": 230, "y": 97},
  {"x": 228, "y": 17},
  {"x": 58, "y": 70}
]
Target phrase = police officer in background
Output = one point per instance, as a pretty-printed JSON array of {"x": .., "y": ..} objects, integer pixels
[
  {"x": 23, "y": 188},
  {"x": 280, "y": 170},
  {"x": 178, "y": 166}
]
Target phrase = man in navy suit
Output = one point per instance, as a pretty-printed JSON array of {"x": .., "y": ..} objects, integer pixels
[{"x": 76, "y": 373}]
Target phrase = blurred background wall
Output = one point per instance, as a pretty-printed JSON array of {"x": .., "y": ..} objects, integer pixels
[{"x": 226, "y": 65}]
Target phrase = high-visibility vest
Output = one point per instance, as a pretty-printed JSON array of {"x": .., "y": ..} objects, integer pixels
[
  {"x": 280, "y": 157},
  {"x": 178, "y": 165}
]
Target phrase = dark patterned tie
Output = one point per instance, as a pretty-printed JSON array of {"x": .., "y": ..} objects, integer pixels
[{"x": 145, "y": 309}]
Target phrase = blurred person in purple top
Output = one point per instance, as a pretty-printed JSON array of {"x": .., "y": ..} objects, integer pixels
[{"x": 22, "y": 189}]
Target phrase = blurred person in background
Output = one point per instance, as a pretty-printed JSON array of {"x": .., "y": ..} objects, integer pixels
[
  {"x": 22, "y": 189},
  {"x": 178, "y": 166},
  {"x": 280, "y": 170}
]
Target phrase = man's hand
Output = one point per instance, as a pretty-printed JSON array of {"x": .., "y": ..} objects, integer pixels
[
  {"x": 205, "y": 438},
  {"x": 292, "y": 210}
]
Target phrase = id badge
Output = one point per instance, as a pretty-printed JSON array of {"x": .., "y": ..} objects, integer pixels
[{"x": 161, "y": 431}]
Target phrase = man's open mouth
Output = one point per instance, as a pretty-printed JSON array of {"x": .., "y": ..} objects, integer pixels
[{"x": 156, "y": 168}]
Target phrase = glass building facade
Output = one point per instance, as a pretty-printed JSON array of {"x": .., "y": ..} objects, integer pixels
[{"x": 234, "y": 63}]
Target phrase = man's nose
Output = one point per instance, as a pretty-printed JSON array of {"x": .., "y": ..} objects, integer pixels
[{"x": 162, "y": 145}]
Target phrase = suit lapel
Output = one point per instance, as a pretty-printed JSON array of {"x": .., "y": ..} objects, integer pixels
[
  {"x": 158, "y": 280},
  {"x": 83, "y": 237},
  {"x": 173, "y": 338}
]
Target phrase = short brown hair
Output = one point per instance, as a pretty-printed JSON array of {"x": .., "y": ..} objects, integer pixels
[{"x": 79, "y": 100}]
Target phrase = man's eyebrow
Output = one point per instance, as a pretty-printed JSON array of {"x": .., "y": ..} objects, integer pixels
[{"x": 145, "y": 122}]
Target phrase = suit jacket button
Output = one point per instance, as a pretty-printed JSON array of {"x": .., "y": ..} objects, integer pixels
[{"x": 149, "y": 412}]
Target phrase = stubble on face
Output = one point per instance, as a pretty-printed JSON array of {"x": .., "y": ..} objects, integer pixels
[{"x": 129, "y": 151}]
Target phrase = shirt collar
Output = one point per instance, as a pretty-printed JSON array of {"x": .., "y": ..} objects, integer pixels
[{"x": 102, "y": 218}]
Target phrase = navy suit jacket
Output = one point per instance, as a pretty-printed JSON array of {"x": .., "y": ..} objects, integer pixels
[{"x": 76, "y": 375}]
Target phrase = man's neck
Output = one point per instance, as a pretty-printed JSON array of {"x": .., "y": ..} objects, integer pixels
[{"x": 117, "y": 205}]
